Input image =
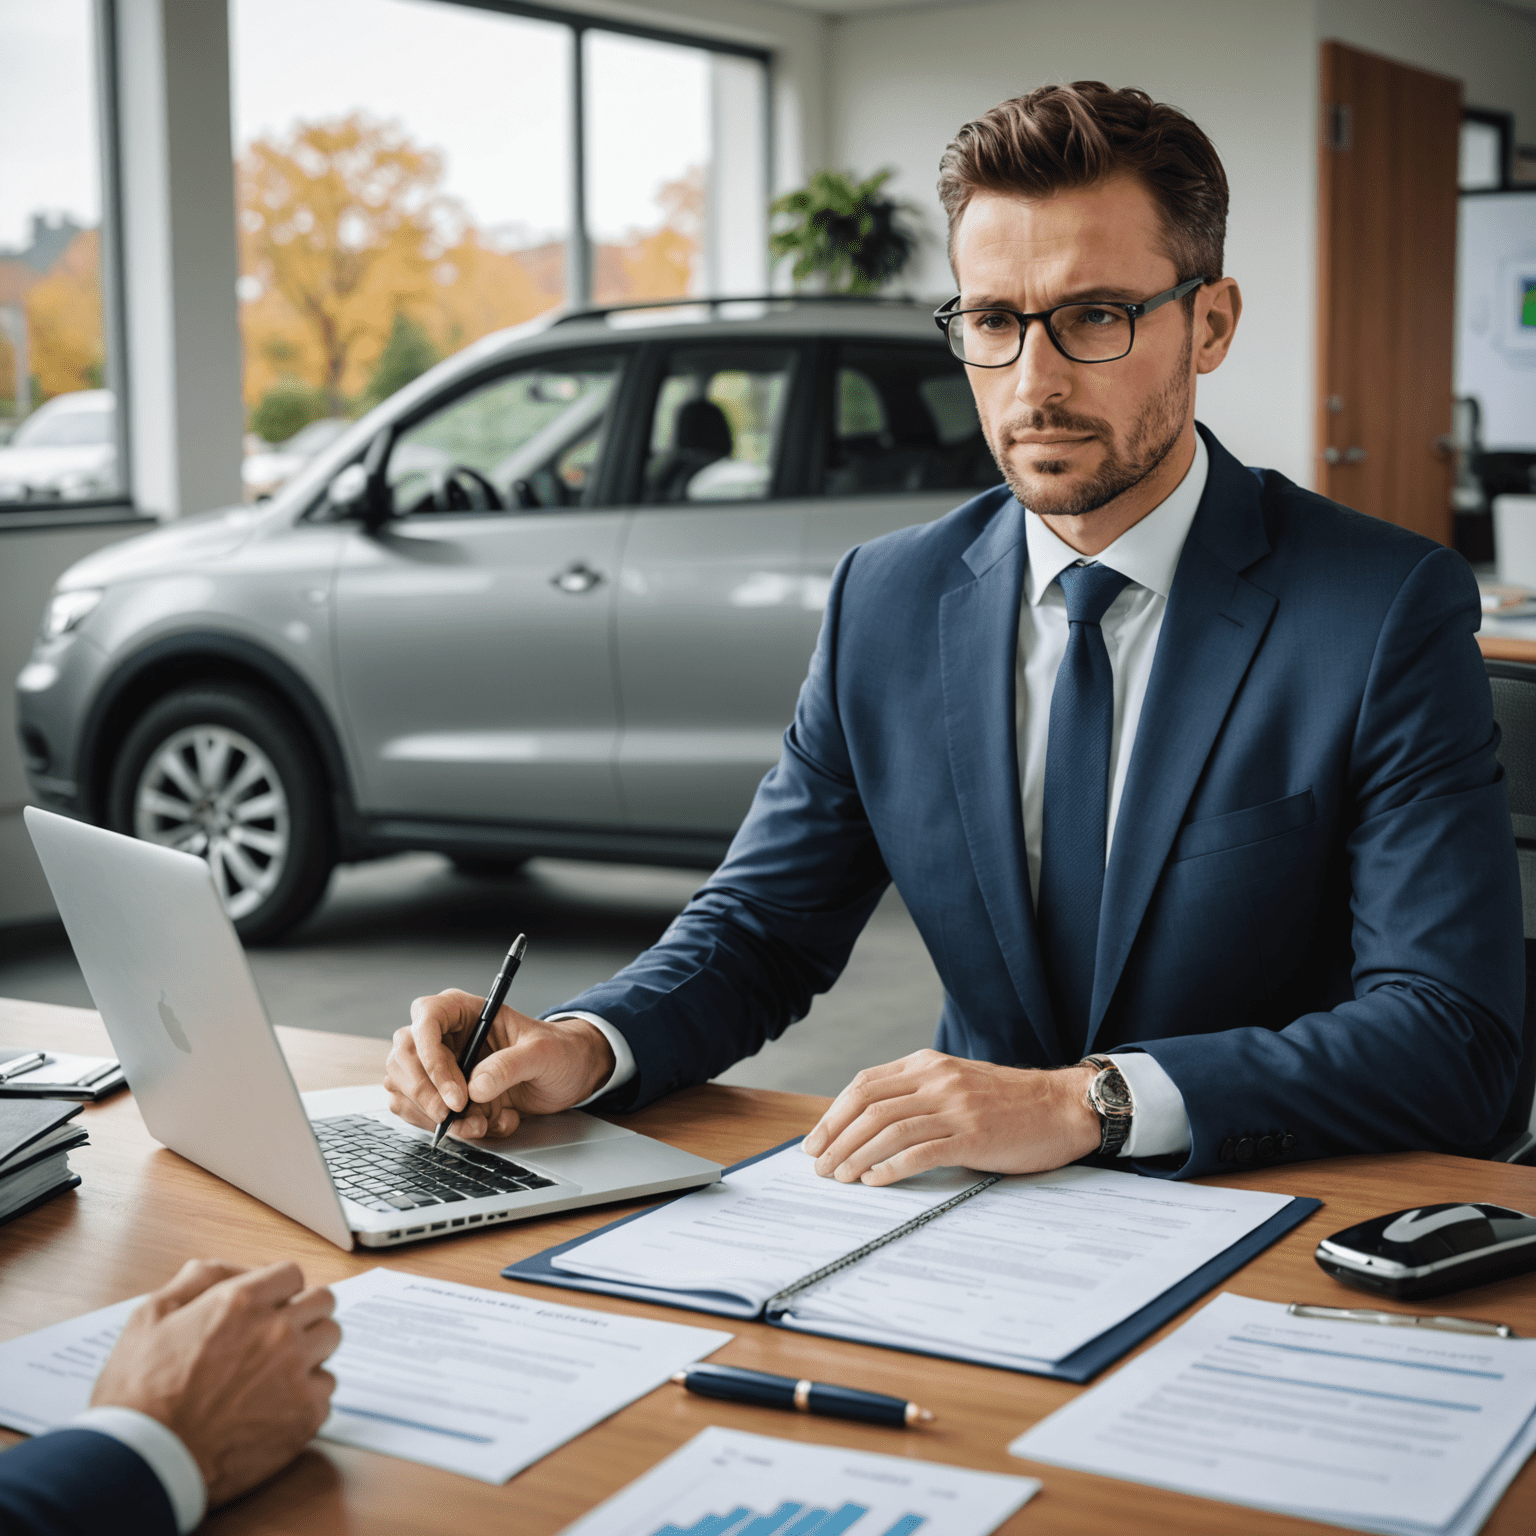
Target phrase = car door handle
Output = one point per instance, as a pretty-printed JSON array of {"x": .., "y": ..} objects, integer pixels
[{"x": 577, "y": 577}]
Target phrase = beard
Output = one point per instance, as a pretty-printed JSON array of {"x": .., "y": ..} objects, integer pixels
[{"x": 1151, "y": 439}]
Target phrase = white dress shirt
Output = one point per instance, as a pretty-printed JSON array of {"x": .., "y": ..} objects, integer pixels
[
  {"x": 164, "y": 1452},
  {"x": 1148, "y": 552}
]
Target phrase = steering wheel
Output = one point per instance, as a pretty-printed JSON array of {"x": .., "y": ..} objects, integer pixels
[{"x": 459, "y": 488}]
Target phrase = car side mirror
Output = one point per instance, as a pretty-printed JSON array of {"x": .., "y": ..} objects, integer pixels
[{"x": 358, "y": 491}]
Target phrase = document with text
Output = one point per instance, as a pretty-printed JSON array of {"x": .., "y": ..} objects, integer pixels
[
  {"x": 478, "y": 1382},
  {"x": 484, "y": 1382},
  {"x": 755, "y": 1232},
  {"x": 1408, "y": 1432},
  {"x": 1035, "y": 1266},
  {"x": 1020, "y": 1271}
]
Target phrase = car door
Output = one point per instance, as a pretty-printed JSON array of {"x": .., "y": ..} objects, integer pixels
[
  {"x": 712, "y": 623},
  {"x": 899, "y": 443},
  {"x": 472, "y": 629}
]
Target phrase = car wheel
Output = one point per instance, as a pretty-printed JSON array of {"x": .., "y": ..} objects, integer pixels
[
  {"x": 224, "y": 773},
  {"x": 492, "y": 868}
]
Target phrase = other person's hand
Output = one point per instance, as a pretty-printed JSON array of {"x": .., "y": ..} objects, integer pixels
[
  {"x": 531, "y": 1066},
  {"x": 230, "y": 1360},
  {"x": 929, "y": 1110}
]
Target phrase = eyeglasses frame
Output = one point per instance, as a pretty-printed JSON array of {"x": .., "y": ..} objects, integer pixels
[{"x": 1133, "y": 312}]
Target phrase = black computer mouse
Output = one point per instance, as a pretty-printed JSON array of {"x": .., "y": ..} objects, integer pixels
[{"x": 1432, "y": 1249}]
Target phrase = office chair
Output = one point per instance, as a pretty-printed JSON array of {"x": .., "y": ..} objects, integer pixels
[{"x": 1514, "y": 707}]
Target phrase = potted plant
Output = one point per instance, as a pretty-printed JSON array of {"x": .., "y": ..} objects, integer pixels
[{"x": 843, "y": 231}]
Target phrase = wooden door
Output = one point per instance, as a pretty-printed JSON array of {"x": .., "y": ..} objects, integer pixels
[{"x": 1387, "y": 197}]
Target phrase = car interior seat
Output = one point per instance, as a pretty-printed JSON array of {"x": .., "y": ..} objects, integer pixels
[{"x": 701, "y": 436}]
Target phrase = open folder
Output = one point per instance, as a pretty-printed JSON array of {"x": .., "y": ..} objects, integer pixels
[{"x": 1056, "y": 1274}]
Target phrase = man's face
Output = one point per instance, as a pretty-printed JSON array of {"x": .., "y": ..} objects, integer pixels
[{"x": 1071, "y": 437}]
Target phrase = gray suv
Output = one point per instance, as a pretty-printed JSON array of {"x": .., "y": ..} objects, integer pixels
[{"x": 556, "y": 596}]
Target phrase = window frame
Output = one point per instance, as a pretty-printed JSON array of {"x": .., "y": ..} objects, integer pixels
[{"x": 114, "y": 338}]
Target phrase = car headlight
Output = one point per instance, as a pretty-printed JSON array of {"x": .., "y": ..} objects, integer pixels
[{"x": 66, "y": 609}]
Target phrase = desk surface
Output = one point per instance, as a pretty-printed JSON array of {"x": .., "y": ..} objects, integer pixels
[{"x": 142, "y": 1210}]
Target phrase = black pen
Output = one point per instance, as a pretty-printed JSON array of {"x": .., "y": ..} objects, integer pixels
[
  {"x": 493, "y": 1002},
  {"x": 763, "y": 1391}
]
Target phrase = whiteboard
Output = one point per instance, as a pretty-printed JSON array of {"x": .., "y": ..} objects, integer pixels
[{"x": 1496, "y": 314}]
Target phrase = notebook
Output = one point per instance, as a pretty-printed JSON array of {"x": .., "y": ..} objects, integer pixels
[
  {"x": 1054, "y": 1274},
  {"x": 35, "y": 1140}
]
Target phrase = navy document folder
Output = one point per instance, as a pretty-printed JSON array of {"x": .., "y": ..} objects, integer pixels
[{"x": 1056, "y": 1274}]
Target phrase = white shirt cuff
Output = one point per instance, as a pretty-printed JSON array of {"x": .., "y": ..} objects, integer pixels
[
  {"x": 1159, "y": 1123},
  {"x": 623, "y": 1057},
  {"x": 162, "y": 1451}
]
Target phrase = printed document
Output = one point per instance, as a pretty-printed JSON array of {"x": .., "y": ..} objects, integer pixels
[
  {"x": 1034, "y": 1267},
  {"x": 757, "y": 1230},
  {"x": 478, "y": 1382},
  {"x": 726, "y": 1483},
  {"x": 1409, "y": 1432}
]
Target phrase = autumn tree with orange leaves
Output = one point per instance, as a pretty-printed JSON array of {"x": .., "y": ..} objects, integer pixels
[{"x": 341, "y": 224}]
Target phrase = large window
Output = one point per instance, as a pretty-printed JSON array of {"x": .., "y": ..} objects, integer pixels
[
  {"x": 415, "y": 174},
  {"x": 58, "y": 424}
]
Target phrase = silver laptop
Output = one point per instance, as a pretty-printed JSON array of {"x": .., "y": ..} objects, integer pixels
[{"x": 169, "y": 976}]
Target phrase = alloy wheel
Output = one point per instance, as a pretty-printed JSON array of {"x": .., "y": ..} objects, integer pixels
[{"x": 211, "y": 791}]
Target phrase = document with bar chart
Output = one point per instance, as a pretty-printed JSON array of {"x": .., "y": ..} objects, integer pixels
[{"x": 725, "y": 1483}]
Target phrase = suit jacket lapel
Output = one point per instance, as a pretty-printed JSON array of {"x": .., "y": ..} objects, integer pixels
[
  {"x": 978, "y": 646},
  {"x": 1214, "y": 623}
]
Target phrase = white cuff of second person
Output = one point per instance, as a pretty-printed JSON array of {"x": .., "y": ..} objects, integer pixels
[
  {"x": 162, "y": 1451},
  {"x": 1160, "y": 1124},
  {"x": 623, "y": 1057}
]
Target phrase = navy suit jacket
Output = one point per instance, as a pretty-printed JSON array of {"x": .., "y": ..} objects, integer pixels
[
  {"x": 1311, "y": 912},
  {"x": 77, "y": 1482}
]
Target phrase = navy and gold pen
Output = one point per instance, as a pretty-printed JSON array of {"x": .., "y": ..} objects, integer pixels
[{"x": 763, "y": 1391}]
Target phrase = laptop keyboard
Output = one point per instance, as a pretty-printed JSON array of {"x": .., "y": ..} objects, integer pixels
[{"x": 381, "y": 1170}]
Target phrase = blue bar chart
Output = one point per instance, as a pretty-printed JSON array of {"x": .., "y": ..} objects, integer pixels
[
  {"x": 725, "y": 1482},
  {"x": 789, "y": 1519}
]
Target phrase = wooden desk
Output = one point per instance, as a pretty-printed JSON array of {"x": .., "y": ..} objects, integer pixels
[
  {"x": 142, "y": 1210},
  {"x": 1504, "y": 648}
]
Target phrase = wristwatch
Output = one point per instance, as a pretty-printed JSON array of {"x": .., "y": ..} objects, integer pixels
[{"x": 1109, "y": 1096}]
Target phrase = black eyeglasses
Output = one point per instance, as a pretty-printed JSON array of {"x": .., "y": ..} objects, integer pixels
[{"x": 1097, "y": 332}]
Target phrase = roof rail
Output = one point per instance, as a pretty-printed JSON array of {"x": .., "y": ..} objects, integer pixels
[{"x": 599, "y": 312}]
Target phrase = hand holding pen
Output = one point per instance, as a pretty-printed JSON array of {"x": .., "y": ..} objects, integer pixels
[{"x": 494, "y": 999}]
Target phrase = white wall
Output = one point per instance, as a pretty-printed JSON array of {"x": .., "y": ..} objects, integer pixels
[
  {"x": 1490, "y": 48},
  {"x": 1245, "y": 70}
]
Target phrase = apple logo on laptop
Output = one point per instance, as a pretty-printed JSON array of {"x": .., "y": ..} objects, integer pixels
[{"x": 173, "y": 1026}]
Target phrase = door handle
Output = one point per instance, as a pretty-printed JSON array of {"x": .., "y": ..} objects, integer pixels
[
  {"x": 1332, "y": 455},
  {"x": 576, "y": 578}
]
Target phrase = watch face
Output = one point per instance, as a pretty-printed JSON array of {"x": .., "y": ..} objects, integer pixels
[{"x": 1111, "y": 1090}]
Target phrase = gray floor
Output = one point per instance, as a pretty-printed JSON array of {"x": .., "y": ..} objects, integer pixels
[{"x": 393, "y": 930}]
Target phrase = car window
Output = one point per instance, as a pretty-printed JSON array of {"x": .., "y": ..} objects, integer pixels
[
  {"x": 527, "y": 439},
  {"x": 717, "y": 424},
  {"x": 66, "y": 429},
  {"x": 903, "y": 420}
]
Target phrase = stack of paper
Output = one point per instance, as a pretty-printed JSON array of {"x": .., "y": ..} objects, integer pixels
[
  {"x": 35, "y": 1140},
  {"x": 1405, "y": 1431},
  {"x": 58, "y": 1075}
]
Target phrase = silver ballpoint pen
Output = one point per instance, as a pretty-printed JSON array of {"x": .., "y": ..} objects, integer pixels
[{"x": 1403, "y": 1320}]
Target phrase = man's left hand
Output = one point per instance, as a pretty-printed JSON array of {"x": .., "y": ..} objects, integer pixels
[{"x": 929, "y": 1110}]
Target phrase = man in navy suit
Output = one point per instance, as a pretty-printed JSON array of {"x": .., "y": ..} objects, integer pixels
[
  {"x": 215, "y": 1384},
  {"x": 1186, "y": 775}
]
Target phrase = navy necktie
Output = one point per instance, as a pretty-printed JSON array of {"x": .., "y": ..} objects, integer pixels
[{"x": 1075, "y": 821}]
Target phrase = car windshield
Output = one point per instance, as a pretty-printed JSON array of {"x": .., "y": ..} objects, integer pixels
[
  {"x": 65, "y": 429},
  {"x": 310, "y": 440}
]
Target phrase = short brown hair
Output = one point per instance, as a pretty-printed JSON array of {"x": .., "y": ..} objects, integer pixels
[{"x": 1064, "y": 136}]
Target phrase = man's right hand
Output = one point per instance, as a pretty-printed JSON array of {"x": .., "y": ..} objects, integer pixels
[
  {"x": 230, "y": 1360},
  {"x": 532, "y": 1066}
]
